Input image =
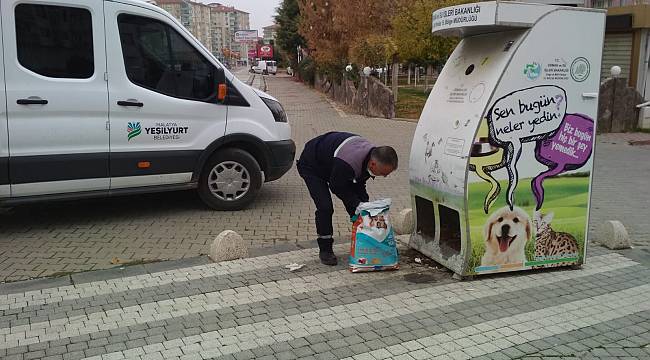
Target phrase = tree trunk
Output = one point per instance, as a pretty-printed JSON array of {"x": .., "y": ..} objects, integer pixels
[
  {"x": 426, "y": 78},
  {"x": 344, "y": 82},
  {"x": 409, "y": 78},
  {"x": 395, "y": 80},
  {"x": 386, "y": 74},
  {"x": 367, "y": 95}
]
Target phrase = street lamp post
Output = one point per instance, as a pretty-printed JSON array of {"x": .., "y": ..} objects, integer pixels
[
  {"x": 366, "y": 72},
  {"x": 348, "y": 69},
  {"x": 616, "y": 72}
]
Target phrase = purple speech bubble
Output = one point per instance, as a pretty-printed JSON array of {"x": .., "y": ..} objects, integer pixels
[{"x": 569, "y": 149}]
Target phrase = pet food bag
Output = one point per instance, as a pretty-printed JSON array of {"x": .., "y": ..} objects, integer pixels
[{"x": 373, "y": 241}]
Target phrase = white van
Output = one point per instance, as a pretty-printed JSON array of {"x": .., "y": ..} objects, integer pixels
[
  {"x": 103, "y": 97},
  {"x": 266, "y": 67},
  {"x": 260, "y": 68},
  {"x": 271, "y": 67}
]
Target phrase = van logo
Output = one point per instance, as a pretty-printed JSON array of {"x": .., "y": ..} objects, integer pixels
[{"x": 133, "y": 129}]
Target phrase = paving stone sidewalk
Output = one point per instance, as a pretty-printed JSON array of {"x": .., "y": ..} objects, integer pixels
[{"x": 256, "y": 309}]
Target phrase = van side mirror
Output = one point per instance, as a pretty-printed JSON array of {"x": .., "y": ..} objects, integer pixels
[{"x": 222, "y": 86}]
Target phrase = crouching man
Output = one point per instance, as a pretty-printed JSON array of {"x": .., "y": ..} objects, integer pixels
[{"x": 340, "y": 162}]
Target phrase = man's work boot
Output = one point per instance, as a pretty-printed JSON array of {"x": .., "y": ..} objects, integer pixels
[{"x": 326, "y": 253}]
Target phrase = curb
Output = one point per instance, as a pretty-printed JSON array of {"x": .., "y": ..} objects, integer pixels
[
  {"x": 83, "y": 277},
  {"x": 406, "y": 120}
]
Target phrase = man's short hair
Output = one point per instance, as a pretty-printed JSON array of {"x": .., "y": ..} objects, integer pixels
[{"x": 385, "y": 155}]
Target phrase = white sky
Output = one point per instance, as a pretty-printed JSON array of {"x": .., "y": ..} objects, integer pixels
[{"x": 261, "y": 11}]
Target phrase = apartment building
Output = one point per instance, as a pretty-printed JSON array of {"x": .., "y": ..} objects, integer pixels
[
  {"x": 212, "y": 24},
  {"x": 240, "y": 20},
  {"x": 194, "y": 16},
  {"x": 270, "y": 32},
  {"x": 220, "y": 29}
]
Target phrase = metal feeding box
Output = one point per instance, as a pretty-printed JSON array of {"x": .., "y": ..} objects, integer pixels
[{"x": 501, "y": 161}]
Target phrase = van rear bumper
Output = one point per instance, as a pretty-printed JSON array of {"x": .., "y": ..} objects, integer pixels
[{"x": 281, "y": 156}]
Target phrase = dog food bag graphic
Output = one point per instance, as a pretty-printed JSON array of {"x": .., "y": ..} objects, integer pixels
[{"x": 373, "y": 245}]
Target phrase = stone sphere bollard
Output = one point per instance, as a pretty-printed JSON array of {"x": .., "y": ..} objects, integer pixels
[
  {"x": 228, "y": 246},
  {"x": 403, "y": 222},
  {"x": 613, "y": 235}
]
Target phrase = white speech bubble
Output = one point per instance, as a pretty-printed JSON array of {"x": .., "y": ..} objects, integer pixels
[{"x": 522, "y": 116}]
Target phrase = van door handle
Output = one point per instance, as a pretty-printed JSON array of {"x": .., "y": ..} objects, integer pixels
[
  {"x": 130, "y": 103},
  {"x": 31, "y": 101}
]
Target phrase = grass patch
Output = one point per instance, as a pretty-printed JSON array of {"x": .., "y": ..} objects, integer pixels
[
  {"x": 410, "y": 102},
  {"x": 403, "y": 81}
]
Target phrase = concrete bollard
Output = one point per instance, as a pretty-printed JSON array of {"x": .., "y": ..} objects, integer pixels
[
  {"x": 403, "y": 222},
  {"x": 228, "y": 246},
  {"x": 613, "y": 235}
]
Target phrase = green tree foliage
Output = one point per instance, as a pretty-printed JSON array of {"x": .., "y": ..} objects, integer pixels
[
  {"x": 288, "y": 38},
  {"x": 411, "y": 30},
  {"x": 372, "y": 50}
]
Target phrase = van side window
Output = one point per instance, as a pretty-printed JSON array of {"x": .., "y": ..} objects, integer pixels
[
  {"x": 158, "y": 58},
  {"x": 55, "y": 41}
]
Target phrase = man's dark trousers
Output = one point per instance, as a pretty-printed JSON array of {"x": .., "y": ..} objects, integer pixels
[{"x": 320, "y": 193}]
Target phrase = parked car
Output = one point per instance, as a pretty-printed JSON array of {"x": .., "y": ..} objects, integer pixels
[{"x": 176, "y": 118}]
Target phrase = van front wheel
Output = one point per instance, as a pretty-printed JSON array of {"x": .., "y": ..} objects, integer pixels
[{"x": 230, "y": 180}]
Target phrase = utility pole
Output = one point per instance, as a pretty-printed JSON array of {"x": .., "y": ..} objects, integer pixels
[{"x": 246, "y": 52}]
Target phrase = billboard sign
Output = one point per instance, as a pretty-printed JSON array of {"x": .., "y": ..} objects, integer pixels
[
  {"x": 242, "y": 36},
  {"x": 265, "y": 51}
]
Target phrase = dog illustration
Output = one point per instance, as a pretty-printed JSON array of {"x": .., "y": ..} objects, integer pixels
[
  {"x": 381, "y": 223},
  {"x": 506, "y": 234},
  {"x": 378, "y": 222}
]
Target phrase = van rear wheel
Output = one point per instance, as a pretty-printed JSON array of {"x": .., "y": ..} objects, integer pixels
[{"x": 230, "y": 180}]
